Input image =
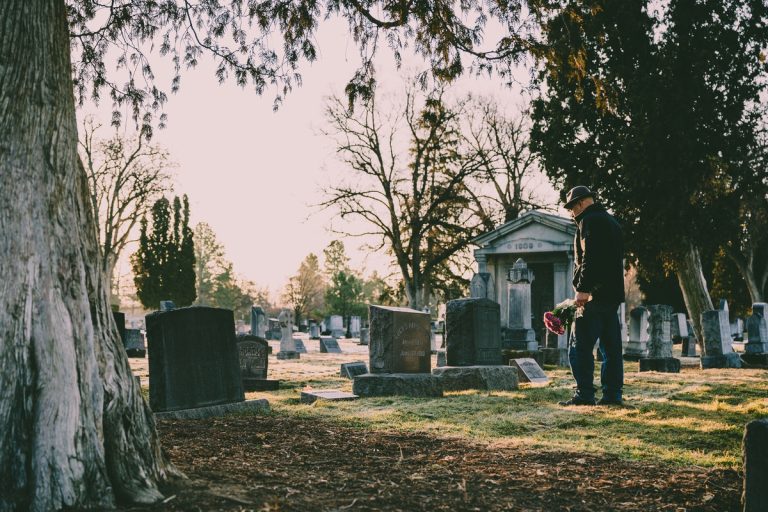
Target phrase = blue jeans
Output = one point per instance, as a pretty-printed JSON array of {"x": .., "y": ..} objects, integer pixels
[{"x": 599, "y": 321}]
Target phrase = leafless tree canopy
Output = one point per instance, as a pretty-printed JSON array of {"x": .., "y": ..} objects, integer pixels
[{"x": 126, "y": 175}]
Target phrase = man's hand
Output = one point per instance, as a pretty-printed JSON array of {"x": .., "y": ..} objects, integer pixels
[{"x": 582, "y": 298}]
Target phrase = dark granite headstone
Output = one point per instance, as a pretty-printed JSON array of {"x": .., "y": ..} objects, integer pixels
[
  {"x": 473, "y": 332},
  {"x": 352, "y": 370},
  {"x": 253, "y": 354},
  {"x": 329, "y": 345},
  {"x": 134, "y": 343},
  {"x": 755, "y": 454},
  {"x": 399, "y": 340},
  {"x": 120, "y": 321},
  {"x": 193, "y": 359},
  {"x": 528, "y": 370}
]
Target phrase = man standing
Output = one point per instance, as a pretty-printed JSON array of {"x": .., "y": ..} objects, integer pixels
[{"x": 599, "y": 283}]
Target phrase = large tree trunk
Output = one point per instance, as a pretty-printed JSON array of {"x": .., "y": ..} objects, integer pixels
[
  {"x": 747, "y": 270},
  {"x": 74, "y": 428},
  {"x": 694, "y": 287}
]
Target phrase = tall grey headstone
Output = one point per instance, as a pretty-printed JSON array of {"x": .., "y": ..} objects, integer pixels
[
  {"x": 473, "y": 332},
  {"x": 482, "y": 286},
  {"x": 659, "y": 344},
  {"x": 354, "y": 326},
  {"x": 399, "y": 340},
  {"x": 638, "y": 334},
  {"x": 336, "y": 326},
  {"x": 314, "y": 331},
  {"x": 258, "y": 322},
  {"x": 718, "y": 352},
  {"x": 365, "y": 336},
  {"x": 723, "y": 305},
  {"x": 519, "y": 335},
  {"x": 287, "y": 342}
]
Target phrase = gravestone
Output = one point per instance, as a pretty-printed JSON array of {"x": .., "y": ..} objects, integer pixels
[
  {"x": 299, "y": 344},
  {"x": 258, "y": 322},
  {"x": 680, "y": 334},
  {"x": 253, "y": 355},
  {"x": 659, "y": 358},
  {"x": 473, "y": 332},
  {"x": 332, "y": 395},
  {"x": 399, "y": 354},
  {"x": 352, "y": 370},
  {"x": 555, "y": 351},
  {"x": 755, "y": 458},
  {"x": 314, "y": 331},
  {"x": 337, "y": 326},
  {"x": 756, "y": 348},
  {"x": 193, "y": 359},
  {"x": 134, "y": 343},
  {"x": 287, "y": 342},
  {"x": 638, "y": 334},
  {"x": 723, "y": 306},
  {"x": 120, "y": 321},
  {"x": 329, "y": 345},
  {"x": 482, "y": 286},
  {"x": 528, "y": 370},
  {"x": 365, "y": 336},
  {"x": 689, "y": 343},
  {"x": 718, "y": 352},
  {"x": 473, "y": 348},
  {"x": 354, "y": 326},
  {"x": 519, "y": 335},
  {"x": 167, "y": 305}
]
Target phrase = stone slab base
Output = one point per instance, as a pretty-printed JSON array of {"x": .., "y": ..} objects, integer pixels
[
  {"x": 555, "y": 356},
  {"x": 507, "y": 355},
  {"x": 491, "y": 378},
  {"x": 401, "y": 384},
  {"x": 248, "y": 406},
  {"x": 660, "y": 364},
  {"x": 755, "y": 360},
  {"x": 261, "y": 385},
  {"x": 730, "y": 360},
  {"x": 288, "y": 355},
  {"x": 334, "y": 395}
]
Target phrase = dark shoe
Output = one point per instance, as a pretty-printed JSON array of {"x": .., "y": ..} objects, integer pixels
[
  {"x": 577, "y": 400},
  {"x": 606, "y": 401}
]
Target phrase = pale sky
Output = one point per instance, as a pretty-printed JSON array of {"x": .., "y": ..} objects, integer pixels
[{"x": 252, "y": 173}]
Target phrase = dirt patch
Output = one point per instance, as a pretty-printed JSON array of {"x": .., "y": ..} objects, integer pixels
[{"x": 271, "y": 463}]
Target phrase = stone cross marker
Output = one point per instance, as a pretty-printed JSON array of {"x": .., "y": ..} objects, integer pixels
[
  {"x": 399, "y": 340},
  {"x": 718, "y": 352},
  {"x": 473, "y": 332},
  {"x": 258, "y": 322},
  {"x": 519, "y": 334},
  {"x": 329, "y": 345},
  {"x": 193, "y": 359},
  {"x": 287, "y": 342},
  {"x": 528, "y": 370},
  {"x": 482, "y": 286}
]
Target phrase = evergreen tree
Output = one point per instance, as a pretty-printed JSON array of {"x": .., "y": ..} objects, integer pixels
[
  {"x": 345, "y": 296},
  {"x": 165, "y": 260}
]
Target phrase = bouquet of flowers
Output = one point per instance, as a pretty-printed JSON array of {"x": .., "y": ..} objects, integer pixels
[{"x": 563, "y": 315}]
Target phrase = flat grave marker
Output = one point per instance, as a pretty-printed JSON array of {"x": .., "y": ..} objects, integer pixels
[
  {"x": 334, "y": 395},
  {"x": 329, "y": 345},
  {"x": 528, "y": 370},
  {"x": 352, "y": 370}
]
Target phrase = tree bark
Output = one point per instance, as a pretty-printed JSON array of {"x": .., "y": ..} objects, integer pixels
[
  {"x": 747, "y": 270},
  {"x": 74, "y": 428},
  {"x": 694, "y": 287}
]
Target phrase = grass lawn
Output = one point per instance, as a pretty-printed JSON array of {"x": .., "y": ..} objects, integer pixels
[{"x": 694, "y": 418}]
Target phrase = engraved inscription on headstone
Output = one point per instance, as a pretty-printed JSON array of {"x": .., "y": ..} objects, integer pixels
[
  {"x": 473, "y": 332},
  {"x": 399, "y": 340},
  {"x": 253, "y": 357},
  {"x": 528, "y": 370}
]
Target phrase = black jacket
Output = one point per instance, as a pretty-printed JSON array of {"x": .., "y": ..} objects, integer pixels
[{"x": 599, "y": 256}]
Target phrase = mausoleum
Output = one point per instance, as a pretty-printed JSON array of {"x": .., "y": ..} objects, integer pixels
[{"x": 545, "y": 242}]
